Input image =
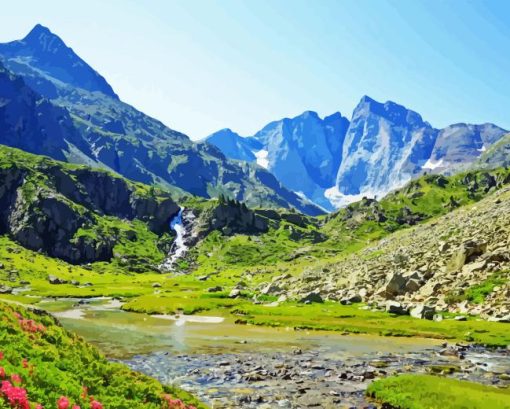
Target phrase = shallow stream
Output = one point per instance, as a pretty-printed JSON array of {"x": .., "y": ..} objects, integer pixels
[{"x": 229, "y": 365}]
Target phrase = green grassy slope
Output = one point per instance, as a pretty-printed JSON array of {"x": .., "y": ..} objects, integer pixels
[{"x": 52, "y": 363}]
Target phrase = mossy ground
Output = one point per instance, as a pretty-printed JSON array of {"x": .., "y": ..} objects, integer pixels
[{"x": 434, "y": 392}]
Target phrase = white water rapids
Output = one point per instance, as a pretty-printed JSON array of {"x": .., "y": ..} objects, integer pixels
[{"x": 179, "y": 247}]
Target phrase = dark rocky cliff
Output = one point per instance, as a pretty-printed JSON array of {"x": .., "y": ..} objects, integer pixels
[{"x": 43, "y": 205}]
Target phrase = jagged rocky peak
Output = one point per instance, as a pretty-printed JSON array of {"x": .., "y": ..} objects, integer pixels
[
  {"x": 303, "y": 152},
  {"x": 41, "y": 37},
  {"x": 396, "y": 113},
  {"x": 48, "y": 53},
  {"x": 235, "y": 146},
  {"x": 460, "y": 144},
  {"x": 385, "y": 146}
]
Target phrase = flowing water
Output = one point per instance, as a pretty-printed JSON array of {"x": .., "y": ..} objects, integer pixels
[
  {"x": 178, "y": 248},
  {"x": 243, "y": 366}
]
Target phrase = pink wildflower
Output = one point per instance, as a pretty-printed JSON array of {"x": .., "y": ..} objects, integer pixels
[
  {"x": 63, "y": 403},
  {"x": 15, "y": 378},
  {"x": 95, "y": 405}
]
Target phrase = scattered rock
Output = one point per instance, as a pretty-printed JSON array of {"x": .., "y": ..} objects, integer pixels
[
  {"x": 234, "y": 293},
  {"x": 394, "y": 307},
  {"x": 5, "y": 289},
  {"x": 422, "y": 311},
  {"x": 55, "y": 280},
  {"x": 312, "y": 297}
]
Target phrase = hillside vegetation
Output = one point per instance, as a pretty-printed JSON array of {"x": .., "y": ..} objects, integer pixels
[{"x": 43, "y": 364}]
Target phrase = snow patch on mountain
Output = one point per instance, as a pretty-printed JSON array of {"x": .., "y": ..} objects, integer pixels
[
  {"x": 262, "y": 159},
  {"x": 431, "y": 164}
]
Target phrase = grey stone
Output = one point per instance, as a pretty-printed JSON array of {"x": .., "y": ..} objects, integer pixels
[
  {"x": 394, "y": 307},
  {"x": 55, "y": 280},
  {"x": 312, "y": 297},
  {"x": 234, "y": 293},
  {"x": 422, "y": 311}
]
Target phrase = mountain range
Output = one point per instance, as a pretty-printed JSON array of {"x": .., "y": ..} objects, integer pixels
[
  {"x": 335, "y": 161},
  {"x": 54, "y": 103}
]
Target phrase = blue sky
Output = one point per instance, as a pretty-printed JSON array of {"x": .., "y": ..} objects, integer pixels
[{"x": 200, "y": 66}]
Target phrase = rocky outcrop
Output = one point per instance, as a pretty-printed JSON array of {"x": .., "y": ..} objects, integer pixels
[
  {"x": 113, "y": 196},
  {"x": 43, "y": 205},
  {"x": 230, "y": 217}
]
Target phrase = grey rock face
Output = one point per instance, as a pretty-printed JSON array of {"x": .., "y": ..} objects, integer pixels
[
  {"x": 303, "y": 152},
  {"x": 385, "y": 146},
  {"x": 461, "y": 144}
]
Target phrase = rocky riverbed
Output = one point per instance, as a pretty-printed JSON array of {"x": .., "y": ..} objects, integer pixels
[
  {"x": 244, "y": 366},
  {"x": 321, "y": 377}
]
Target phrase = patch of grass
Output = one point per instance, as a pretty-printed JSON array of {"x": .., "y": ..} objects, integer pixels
[
  {"x": 186, "y": 303},
  {"x": 352, "y": 319},
  {"x": 428, "y": 391},
  {"x": 22, "y": 265},
  {"x": 479, "y": 292}
]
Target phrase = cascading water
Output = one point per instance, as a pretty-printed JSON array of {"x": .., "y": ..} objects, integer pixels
[{"x": 179, "y": 247}]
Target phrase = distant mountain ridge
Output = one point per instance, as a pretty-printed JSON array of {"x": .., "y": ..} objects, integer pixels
[
  {"x": 334, "y": 161},
  {"x": 302, "y": 152},
  {"x": 92, "y": 126}
]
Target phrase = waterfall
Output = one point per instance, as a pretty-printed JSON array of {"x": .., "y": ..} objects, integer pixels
[{"x": 179, "y": 246}]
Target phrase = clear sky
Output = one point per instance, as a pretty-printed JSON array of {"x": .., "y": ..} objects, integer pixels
[{"x": 200, "y": 66}]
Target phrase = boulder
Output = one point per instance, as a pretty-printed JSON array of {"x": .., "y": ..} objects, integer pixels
[
  {"x": 412, "y": 286},
  {"x": 394, "y": 307},
  {"x": 55, "y": 280},
  {"x": 234, "y": 293},
  {"x": 396, "y": 285},
  {"x": 271, "y": 288},
  {"x": 156, "y": 285},
  {"x": 467, "y": 252},
  {"x": 422, "y": 311},
  {"x": 312, "y": 297},
  {"x": 5, "y": 289},
  {"x": 215, "y": 289},
  {"x": 351, "y": 298}
]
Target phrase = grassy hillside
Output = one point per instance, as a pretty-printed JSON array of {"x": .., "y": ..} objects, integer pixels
[
  {"x": 43, "y": 364},
  {"x": 350, "y": 229}
]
